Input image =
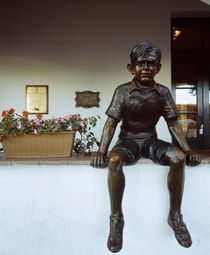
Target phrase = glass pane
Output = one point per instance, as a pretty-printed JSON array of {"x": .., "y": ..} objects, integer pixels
[
  {"x": 209, "y": 88},
  {"x": 186, "y": 87},
  {"x": 188, "y": 38},
  {"x": 206, "y": 37},
  {"x": 189, "y": 125},
  {"x": 186, "y": 100},
  {"x": 186, "y": 74}
]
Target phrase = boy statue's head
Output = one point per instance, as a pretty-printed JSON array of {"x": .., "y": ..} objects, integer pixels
[
  {"x": 142, "y": 50},
  {"x": 145, "y": 62}
]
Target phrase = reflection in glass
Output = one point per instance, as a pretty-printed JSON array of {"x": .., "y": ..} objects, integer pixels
[
  {"x": 186, "y": 95},
  {"x": 189, "y": 125},
  {"x": 190, "y": 38},
  {"x": 186, "y": 74},
  {"x": 206, "y": 37},
  {"x": 209, "y": 91}
]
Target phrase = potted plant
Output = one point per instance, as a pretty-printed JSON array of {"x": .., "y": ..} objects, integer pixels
[{"x": 39, "y": 137}]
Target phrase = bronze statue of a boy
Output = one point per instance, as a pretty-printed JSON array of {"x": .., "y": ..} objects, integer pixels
[{"x": 139, "y": 104}]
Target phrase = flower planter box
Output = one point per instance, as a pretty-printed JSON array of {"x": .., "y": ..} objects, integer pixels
[{"x": 37, "y": 146}]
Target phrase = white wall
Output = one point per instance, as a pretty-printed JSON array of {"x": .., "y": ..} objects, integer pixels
[
  {"x": 81, "y": 45},
  {"x": 51, "y": 210}
]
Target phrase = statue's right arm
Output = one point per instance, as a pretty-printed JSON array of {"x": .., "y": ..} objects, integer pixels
[{"x": 99, "y": 159}]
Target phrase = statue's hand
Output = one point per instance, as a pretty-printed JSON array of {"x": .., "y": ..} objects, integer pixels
[
  {"x": 192, "y": 158},
  {"x": 99, "y": 160}
]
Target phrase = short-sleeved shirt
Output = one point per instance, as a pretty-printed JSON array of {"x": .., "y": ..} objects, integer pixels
[{"x": 140, "y": 109}]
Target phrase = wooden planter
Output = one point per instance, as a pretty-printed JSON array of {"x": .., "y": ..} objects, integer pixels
[{"x": 38, "y": 146}]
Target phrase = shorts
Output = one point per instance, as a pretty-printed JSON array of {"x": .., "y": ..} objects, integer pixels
[{"x": 152, "y": 148}]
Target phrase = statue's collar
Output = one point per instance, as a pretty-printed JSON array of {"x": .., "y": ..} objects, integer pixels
[{"x": 137, "y": 87}]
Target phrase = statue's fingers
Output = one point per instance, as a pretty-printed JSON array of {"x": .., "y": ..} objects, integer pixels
[
  {"x": 198, "y": 159},
  {"x": 94, "y": 162},
  {"x": 190, "y": 162},
  {"x": 103, "y": 163},
  {"x": 99, "y": 162},
  {"x": 193, "y": 160}
]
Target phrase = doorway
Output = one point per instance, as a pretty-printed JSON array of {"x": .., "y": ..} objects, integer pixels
[{"x": 190, "y": 46}]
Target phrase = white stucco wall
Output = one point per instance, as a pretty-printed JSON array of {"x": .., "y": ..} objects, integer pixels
[
  {"x": 81, "y": 45},
  {"x": 51, "y": 210}
]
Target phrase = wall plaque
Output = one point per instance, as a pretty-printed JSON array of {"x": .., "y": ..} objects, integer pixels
[
  {"x": 87, "y": 99},
  {"x": 37, "y": 99}
]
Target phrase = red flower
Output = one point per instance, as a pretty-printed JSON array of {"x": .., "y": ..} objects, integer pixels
[
  {"x": 4, "y": 114},
  {"x": 25, "y": 113},
  {"x": 24, "y": 122},
  {"x": 32, "y": 122},
  {"x": 39, "y": 116},
  {"x": 9, "y": 124},
  {"x": 11, "y": 111},
  {"x": 99, "y": 116}
]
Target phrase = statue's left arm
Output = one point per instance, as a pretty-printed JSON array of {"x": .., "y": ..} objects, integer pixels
[{"x": 175, "y": 129}]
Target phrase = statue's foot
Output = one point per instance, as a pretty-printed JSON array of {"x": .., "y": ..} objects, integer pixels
[
  {"x": 180, "y": 230},
  {"x": 115, "y": 238}
]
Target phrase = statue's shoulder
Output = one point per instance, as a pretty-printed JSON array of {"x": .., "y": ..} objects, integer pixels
[
  {"x": 163, "y": 89},
  {"x": 124, "y": 86}
]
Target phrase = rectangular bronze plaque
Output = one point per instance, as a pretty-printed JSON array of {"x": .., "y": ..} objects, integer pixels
[
  {"x": 87, "y": 99},
  {"x": 37, "y": 99}
]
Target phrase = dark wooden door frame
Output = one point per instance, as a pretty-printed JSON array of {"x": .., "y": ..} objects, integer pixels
[{"x": 197, "y": 58}]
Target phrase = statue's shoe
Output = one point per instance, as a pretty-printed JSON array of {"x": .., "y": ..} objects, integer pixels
[
  {"x": 180, "y": 230},
  {"x": 115, "y": 238}
]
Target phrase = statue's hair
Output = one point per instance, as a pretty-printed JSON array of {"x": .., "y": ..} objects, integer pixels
[{"x": 142, "y": 49}]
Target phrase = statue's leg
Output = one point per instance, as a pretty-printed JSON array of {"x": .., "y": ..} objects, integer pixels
[
  {"x": 116, "y": 184},
  {"x": 116, "y": 180},
  {"x": 176, "y": 160},
  {"x": 167, "y": 154}
]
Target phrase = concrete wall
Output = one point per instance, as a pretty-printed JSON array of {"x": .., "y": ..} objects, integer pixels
[
  {"x": 81, "y": 45},
  {"x": 51, "y": 210}
]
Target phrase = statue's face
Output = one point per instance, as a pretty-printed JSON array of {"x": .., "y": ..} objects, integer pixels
[{"x": 145, "y": 68}]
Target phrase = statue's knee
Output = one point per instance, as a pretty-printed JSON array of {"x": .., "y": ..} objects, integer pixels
[
  {"x": 175, "y": 155},
  {"x": 115, "y": 161}
]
